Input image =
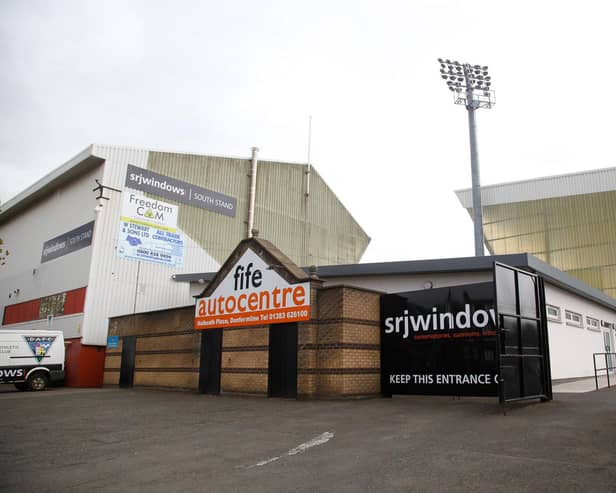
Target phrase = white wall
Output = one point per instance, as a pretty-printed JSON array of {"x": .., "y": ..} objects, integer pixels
[
  {"x": 24, "y": 235},
  {"x": 571, "y": 348},
  {"x": 119, "y": 286},
  {"x": 410, "y": 282}
]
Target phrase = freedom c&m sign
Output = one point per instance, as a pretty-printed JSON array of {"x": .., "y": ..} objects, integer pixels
[{"x": 252, "y": 293}]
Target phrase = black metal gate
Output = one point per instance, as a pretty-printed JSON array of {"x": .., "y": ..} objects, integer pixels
[
  {"x": 127, "y": 366},
  {"x": 282, "y": 365},
  {"x": 522, "y": 335},
  {"x": 210, "y": 361}
]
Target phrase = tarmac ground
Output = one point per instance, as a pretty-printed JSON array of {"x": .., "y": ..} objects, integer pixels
[{"x": 110, "y": 439}]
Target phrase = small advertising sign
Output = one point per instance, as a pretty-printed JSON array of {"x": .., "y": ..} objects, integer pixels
[
  {"x": 181, "y": 191},
  {"x": 253, "y": 294},
  {"x": 148, "y": 231},
  {"x": 439, "y": 341},
  {"x": 69, "y": 242}
]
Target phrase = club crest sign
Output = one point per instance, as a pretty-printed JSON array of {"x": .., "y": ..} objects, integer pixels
[{"x": 39, "y": 345}]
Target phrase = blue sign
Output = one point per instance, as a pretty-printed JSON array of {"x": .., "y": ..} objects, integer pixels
[{"x": 113, "y": 342}]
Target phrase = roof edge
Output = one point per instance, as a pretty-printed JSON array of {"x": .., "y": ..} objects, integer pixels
[
  {"x": 79, "y": 163},
  {"x": 570, "y": 283},
  {"x": 539, "y": 178},
  {"x": 544, "y": 187}
]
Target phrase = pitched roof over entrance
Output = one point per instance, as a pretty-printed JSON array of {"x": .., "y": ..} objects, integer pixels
[{"x": 267, "y": 251}]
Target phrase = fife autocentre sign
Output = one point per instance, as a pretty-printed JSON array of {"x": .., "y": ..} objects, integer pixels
[
  {"x": 439, "y": 341},
  {"x": 253, "y": 294}
]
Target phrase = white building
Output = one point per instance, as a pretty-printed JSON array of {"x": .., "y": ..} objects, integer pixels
[{"x": 75, "y": 261}]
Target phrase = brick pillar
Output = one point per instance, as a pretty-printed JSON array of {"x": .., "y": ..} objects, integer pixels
[{"x": 339, "y": 349}]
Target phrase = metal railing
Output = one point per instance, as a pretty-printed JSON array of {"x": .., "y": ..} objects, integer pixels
[{"x": 610, "y": 365}]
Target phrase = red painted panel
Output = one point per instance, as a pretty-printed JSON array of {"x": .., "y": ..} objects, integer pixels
[
  {"x": 22, "y": 312},
  {"x": 75, "y": 301},
  {"x": 85, "y": 365},
  {"x": 29, "y": 310}
]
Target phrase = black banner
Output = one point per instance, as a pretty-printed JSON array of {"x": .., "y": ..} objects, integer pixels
[
  {"x": 66, "y": 243},
  {"x": 180, "y": 191},
  {"x": 439, "y": 342}
]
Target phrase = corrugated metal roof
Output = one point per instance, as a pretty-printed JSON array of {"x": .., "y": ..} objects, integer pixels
[
  {"x": 568, "y": 221},
  {"x": 600, "y": 180},
  {"x": 315, "y": 229}
]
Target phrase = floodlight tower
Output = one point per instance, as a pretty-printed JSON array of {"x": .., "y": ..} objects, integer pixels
[{"x": 470, "y": 85}]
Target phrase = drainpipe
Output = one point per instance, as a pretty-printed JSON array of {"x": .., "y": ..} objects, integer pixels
[
  {"x": 308, "y": 168},
  {"x": 252, "y": 192}
]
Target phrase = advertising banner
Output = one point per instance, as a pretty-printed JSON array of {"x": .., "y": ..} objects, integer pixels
[
  {"x": 439, "y": 341},
  {"x": 253, "y": 294},
  {"x": 148, "y": 231},
  {"x": 66, "y": 243},
  {"x": 181, "y": 191}
]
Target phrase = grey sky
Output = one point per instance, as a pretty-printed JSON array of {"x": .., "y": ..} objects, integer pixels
[{"x": 219, "y": 77}]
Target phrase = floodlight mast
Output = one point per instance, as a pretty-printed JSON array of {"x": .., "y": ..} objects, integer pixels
[{"x": 471, "y": 86}]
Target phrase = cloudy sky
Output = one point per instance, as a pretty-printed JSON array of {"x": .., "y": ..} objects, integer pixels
[{"x": 216, "y": 77}]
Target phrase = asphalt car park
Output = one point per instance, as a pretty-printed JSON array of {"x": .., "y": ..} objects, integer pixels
[{"x": 139, "y": 439}]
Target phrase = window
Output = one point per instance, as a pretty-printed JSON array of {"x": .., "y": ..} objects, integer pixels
[
  {"x": 592, "y": 324},
  {"x": 574, "y": 319},
  {"x": 553, "y": 313}
]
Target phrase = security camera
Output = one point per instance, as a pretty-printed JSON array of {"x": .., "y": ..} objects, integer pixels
[{"x": 98, "y": 208}]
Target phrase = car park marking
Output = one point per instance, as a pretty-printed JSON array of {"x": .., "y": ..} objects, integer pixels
[{"x": 318, "y": 440}]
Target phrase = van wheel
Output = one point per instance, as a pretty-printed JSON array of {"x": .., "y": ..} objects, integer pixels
[
  {"x": 21, "y": 386},
  {"x": 38, "y": 381}
]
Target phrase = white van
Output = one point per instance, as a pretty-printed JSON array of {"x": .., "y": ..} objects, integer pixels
[{"x": 31, "y": 359}]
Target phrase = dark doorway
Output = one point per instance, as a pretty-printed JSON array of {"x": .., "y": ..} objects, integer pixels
[
  {"x": 522, "y": 335},
  {"x": 211, "y": 359},
  {"x": 127, "y": 366},
  {"x": 282, "y": 373}
]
